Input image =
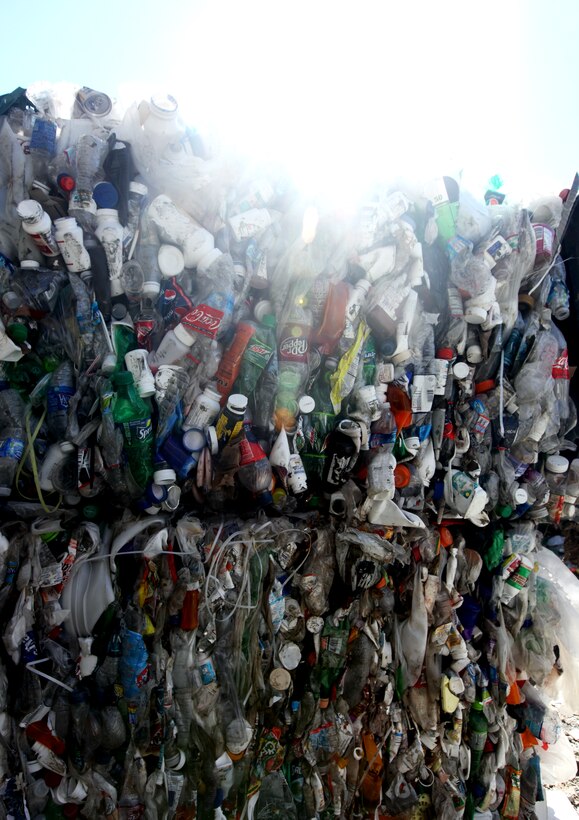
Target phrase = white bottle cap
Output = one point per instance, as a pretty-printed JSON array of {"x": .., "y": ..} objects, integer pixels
[
  {"x": 29, "y": 264},
  {"x": 67, "y": 446},
  {"x": 109, "y": 363},
  {"x": 151, "y": 289},
  {"x": 165, "y": 477},
  {"x": 171, "y": 261},
  {"x": 183, "y": 335},
  {"x": 306, "y": 405},
  {"x": 205, "y": 263},
  {"x": 402, "y": 356},
  {"x": 280, "y": 679},
  {"x": 212, "y": 441},
  {"x": 363, "y": 284},
  {"x": 474, "y": 354},
  {"x": 146, "y": 385},
  {"x": 138, "y": 188},
  {"x": 237, "y": 402},
  {"x": 460, "y": 370},
  {"x": 290, "y": 655},
  {"x": 475, "y": 315},
  {"x": 107, "y": 213},
  {"x": 29, "y": 210},
  {"x": 557, "y": 464},
  {"x": 520, "y": 496},
  {"x": 213, "y": 394},
  {"x": 173, "y": 499},
  {"x": 261, "y": 309}
]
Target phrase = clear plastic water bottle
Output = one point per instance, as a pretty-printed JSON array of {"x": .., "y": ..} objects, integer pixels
[
  {"x": 12, "y": 438},
  {"x": 61, "y": 388}
]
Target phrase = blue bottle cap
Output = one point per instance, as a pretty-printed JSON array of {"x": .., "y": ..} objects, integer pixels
[{"x": 105, "y": 195}]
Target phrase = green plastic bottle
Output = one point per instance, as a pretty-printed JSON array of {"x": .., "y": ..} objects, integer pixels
[
  {"x": 478, "y": 727},
  {"x": 131, "y": 413}
]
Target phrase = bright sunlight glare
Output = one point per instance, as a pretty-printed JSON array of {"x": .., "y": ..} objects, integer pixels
[{"x": 344, "y": 95}]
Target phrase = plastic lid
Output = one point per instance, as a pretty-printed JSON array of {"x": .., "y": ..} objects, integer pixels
[
  {"x": 445, "y": 353},
  {"x": 183, "y": 335},
  {"x": 29, "y": 264},
  {"x": 475, "y": 315},
  {"x": 65, "y": 221},
  {"x": 212, "y": 441},
  {"x": 171, "y": 261},
  {"x": 527, "y": 300},
  {"x": 505, "y": 511},
  {"x": 194, "y": 440},
  {"x": 29, "y": 209},
  {"x": 173, "y": 498},
  {"x": 165, "y": 476},
  {"x": 90, "y": 511},
  {"x": 557, "y": 464},
  {"x": 262, "y": 309},
  {"x": 290, "y": 655},
  {"x": 151, "y": 290},
  {"x": 477, "y": 705},
  {"x": 105, "y": 195},
  {"x": 520, "y": 496},
  {"x": 306, "y": 405},
  {"x": 402, "y": 476},
  {"x": 17, "y": 332},
  {"x": 402, "y": 357},
  {"x": 138, "y": 188},
  {"x": 474, "y": 354},
  {"x": 269, "y": 320},
  {"x": 280, "y": 679},
  {"x": 66, "y": 182},
  {"x": 237, "y": 403},
  {"x": 11, "y": 300},
  {"x": 119, "y": 311},
  {"x": 164, "y": 105},
  {"x": 364, "y": 284},
  {"x": 146, "y": 385},
  {"x": 484, "y": 386},
  {"x": 123, "y": 377},
  {"x": 461, "y": 370},
  {"x": 107, "y": 212}
]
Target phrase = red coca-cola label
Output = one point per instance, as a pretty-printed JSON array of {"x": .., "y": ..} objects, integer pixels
[
  {"x": 143, "y": 331},
  {"x": 294, "y": 349},
  {"x": 204, "y": 320},
  {"x": 250, "y": 451},
  {"x": 561, "y": 366}
]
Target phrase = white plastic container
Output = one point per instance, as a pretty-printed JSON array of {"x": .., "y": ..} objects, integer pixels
[
  {"x": 109, "y": 232},
  {"x": 204, "y": 410},
  {"x": 69, "y": 237},
  {"x": 38, "y": 225},
  {"x": 137, "y": 364},
  {"x": 250, "y": 223},
  {"x": 160, "y": 119},
  {"x": 174, "y": 345}
]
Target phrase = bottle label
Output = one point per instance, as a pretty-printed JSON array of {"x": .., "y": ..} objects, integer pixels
[
  {"x": 258, "y": 353},
  {"x": 423, "y": 393},
  {"x": 250, "y": 452},
  {"x": 391, "y": 299},
  {"x": 296, "y": 478},
  {"x": 561, "y": 366},
  {"x": 227, "y": 427},
  {"x": 455, "y": 306},
  {"x": 477, "y": 740},
  {"x": 204, "y": 320},
  {"x": 137, "y": 431},
  {"x": 202, "y": 414},
  {"x": 382, "y": 440},
  {"x": 294, "y": 348},
  {"x": 440, "y": 374},
  {"x": 207, "y": 671},
  {"x": 144, "y": 330},
  {"x": 338, "y": 466},
  {"x": 45, "y": 243},
  {"x": 11, "y": 448},
  {"x": 58, "y": 398}
]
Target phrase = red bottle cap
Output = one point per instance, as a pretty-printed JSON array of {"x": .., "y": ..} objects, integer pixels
[
  {"x": 484, "y": 387},
  {"x": 401, "y": 476},
  {"x": 445, "y": 353},
  {"x": 66, "y": 182}
]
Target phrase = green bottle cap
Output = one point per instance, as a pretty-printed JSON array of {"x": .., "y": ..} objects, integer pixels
[
  {"x": 17, "y": 332},
  {"x": 91, "y": 511},
  {"x": 477, "y": 705},
  {"x": 123, "y": 377}
]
